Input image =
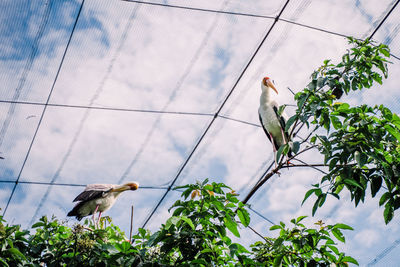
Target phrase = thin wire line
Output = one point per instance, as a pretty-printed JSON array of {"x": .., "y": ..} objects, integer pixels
[
  {"x": 262, "y": 216},
  {"x": 176, "y": 90},
  {"x": 262, "y": 17},
  {"x": 216, "y": 115},
  {"x": 384, "y": 19},
  {"x": 44, "y": 109},
  {"x": 241, "y": 121},
  {"x": 107, "y": 108},
  {"x": 86, "y": 114},
  {"x": 384, "y": 253},
  {"x": 237, "y": 14},
  {"x": 313, "y": 28},
  {"x": 201, "y": 9},
  {"x": 74, "y": 185},
  {"x": 26, "y": 70},
  {"x": 280, "y": 40}
]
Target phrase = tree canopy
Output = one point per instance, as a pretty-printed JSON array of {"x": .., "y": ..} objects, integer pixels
[{"x": 361, "y": 149}]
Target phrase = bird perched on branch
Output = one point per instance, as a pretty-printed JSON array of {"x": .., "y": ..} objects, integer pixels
[
  {"x": 272, "y": 122},
  {"x": 98, "y": 198}
]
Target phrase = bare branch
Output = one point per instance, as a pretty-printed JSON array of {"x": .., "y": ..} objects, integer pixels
[
  {"x": 314, "y": 166},
  {"x": 130, "y": 232},
  {"x": 257, "y": 233}
]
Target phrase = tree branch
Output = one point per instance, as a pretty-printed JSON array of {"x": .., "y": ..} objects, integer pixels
[{"x": 271, "y": 173}]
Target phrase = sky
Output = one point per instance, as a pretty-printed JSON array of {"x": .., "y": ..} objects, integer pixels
[{"x": 128, "y": 91}]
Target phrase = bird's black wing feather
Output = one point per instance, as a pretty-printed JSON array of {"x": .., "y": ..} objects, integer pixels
[
  {"x": 75, "y": 211},
  {"x": 266, "y": 131},
  {"x": 90, "y": 194},
  {"x": 282, "y": 122}
]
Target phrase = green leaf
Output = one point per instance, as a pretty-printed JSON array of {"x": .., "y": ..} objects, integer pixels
[
  {"x": 295, "y": 147},
  {"x": 336, "y": 122},
  {"x": 244, "y": 217},
  {"x": 352, "y": 182},
  {"x": 279, "y": 153},
  {"x": 315, "y": 207},
  {"x": 392, "y": 131},
  {"x": 376, "y": 184},
  {"x": 218, "y": 204},
  {"x": 278, "y": 260},
  {"x": 388, "y": 213},
  {"x": 171, "y": 221},
  {"x": 334, "y": 249},
  {"x": 278, "y": 242},
  {"x": 313, "y": 139},
  {"x": 308, "y": 194},
  {"x": 343, "y": 107},
  {"x": 231, "y": 225},
  {"x": 275, "y": 227},
  {"x": 38, "y": 224},
  {"x": 281, "y": 109},
  {"x": 385, "y": 197},
  {"x": 339, "y": 236},
  {"x": 322, "y": 199},
  {"x": 339, "y": 189},
  {"x": 17, "y": 253},
  {"x": 290, "y": 122},
  {"x": 300, "y": 218},
  {"x": 330, "y": 256},
  {"x": 321, "y": 81},
  {"x": 342, "y": 226},
  {"x": 349, "y": 259},
  {"x": 123, "y": 247},
  {"x": 188, "y": 221},
  {"x": 4, "y": 262},
  {"x": 178, "y": 211},
  {"x": 384, "y": 51}
]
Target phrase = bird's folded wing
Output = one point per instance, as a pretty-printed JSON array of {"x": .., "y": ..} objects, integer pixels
[
  {"x": 262, "y": 125},
  {"x": 90, "y": 194}
]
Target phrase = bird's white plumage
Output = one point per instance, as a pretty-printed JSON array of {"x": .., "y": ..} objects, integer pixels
[
  {"x": 268, "y": 116},
  {"x": 271, "y": 122},
  {"x": 104, "y": 203},
  {"x": 98, "y": 198},
  {"x": 99, "y": 187}
]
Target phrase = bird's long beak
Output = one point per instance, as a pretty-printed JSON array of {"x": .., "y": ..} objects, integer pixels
[
  {"x": 128, "y": 186},
  {"x": 271, "y": 85}
]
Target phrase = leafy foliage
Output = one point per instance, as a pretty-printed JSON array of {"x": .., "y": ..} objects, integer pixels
[
  {"x": 361, "y": 146},
  {"x": 302, "y": 246},
  {"x": 196, "y": 234}
]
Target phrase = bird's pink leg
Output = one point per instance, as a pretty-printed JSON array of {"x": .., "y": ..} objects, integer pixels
[
  {"x": 283, "y": 136},
  {"x": 274, "y": 149},
  {"x": 98, "y": 220},
  {"x": 94, "y": 221}
]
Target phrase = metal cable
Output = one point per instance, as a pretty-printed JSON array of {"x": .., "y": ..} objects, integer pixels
[
  {"x": 262, "y": 216},
  {"x": 200, "y": 9},
  {"x": 73, "y": 185},
  {"x": 26, "y": 70},
  {"x": 87, "y": 111},
  {"x": 177, "y": 89},
  {"x": 108, "y": 108},
  {"x": 216, "y": 115},
  {"x": 44, "y": 109},
  {"x": 384, "y": 19}
]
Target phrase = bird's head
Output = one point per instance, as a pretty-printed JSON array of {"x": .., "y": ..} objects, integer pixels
[
  {"x": 267, "y": 83},
  {"x": 128, "y": 186}
]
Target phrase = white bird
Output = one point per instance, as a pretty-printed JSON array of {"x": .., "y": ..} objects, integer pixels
[
  {"x": 272, "y": 123},
  {"x": 98, "y": 198}
]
